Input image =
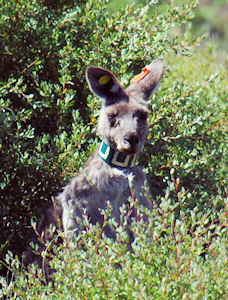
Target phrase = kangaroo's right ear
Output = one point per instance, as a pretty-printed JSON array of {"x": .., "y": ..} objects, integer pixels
[
  {"x": 105, "y": 85},
  {"x": 145, "y": 83}
]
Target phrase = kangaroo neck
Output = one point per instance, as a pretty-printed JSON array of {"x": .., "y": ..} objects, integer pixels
[{"x": 115, "y": 158}]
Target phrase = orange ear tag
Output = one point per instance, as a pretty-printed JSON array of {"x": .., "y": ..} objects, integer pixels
[{"x": 140, "y": 76}]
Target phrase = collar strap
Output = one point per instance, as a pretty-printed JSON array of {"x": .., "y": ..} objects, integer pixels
[{"x": 116, "y": 158}]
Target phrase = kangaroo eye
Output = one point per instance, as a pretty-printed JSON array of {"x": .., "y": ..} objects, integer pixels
[
  {"x": 112, "y": 117},
  {"x": 142, "y": 115}
]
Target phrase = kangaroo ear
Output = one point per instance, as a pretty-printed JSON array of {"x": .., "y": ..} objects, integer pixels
[
  {"x": 145, "y": 83},
  {"x": 105, "y": 85}
]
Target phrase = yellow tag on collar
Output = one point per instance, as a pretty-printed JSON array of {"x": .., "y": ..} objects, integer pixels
[
  {"x": 140, "y": 76},
  {"x": 104, "y": 79}
]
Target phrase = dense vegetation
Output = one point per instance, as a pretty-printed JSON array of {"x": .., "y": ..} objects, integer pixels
[{"x": 47, "y": 130}]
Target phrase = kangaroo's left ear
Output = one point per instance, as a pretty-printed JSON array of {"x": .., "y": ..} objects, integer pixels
[
  {"x": 105, "y": 85},
  {"x": 145, "y": 83}
]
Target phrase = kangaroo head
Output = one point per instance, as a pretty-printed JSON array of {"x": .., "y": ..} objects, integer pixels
[{"x": 123, "y": 115}]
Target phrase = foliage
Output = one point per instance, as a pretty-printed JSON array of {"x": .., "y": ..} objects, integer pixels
[
  {"x": 172, "y": 259},
  {"x": 211, "y": 18},
  {"x": 47, "y": 130},
  {"x": 188, "y": 132}
]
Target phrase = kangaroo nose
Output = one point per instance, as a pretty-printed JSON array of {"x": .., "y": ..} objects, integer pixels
[{"x": 131, "y": 139}]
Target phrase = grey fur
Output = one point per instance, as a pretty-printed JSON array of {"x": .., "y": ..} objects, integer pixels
[{"x": 122, "y": 124}]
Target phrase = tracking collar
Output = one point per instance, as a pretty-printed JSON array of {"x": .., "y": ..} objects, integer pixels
[{"x": 115, "y": 158}]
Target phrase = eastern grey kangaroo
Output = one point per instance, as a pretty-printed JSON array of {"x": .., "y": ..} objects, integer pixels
[{"x": 122, "y": 127}]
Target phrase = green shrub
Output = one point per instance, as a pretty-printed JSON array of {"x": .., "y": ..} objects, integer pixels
[
  {"x": 168, "y": 261},
  {"x": 47, "y": 130}
]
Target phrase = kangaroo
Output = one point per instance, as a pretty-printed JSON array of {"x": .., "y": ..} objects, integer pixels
[{"x": 122, "y": 127}]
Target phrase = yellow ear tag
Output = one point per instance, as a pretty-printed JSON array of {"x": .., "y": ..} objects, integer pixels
[
  {"x": 140, "y": 76},
  {"x": 104, "y": 79}
]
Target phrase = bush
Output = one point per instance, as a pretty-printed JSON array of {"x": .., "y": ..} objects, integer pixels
[
  {"x": 48, "y": 117},
  {"x": 167, "y": 261}
]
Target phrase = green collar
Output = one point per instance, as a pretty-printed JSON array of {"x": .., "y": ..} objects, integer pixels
[{"x": 116, "y": 158}]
